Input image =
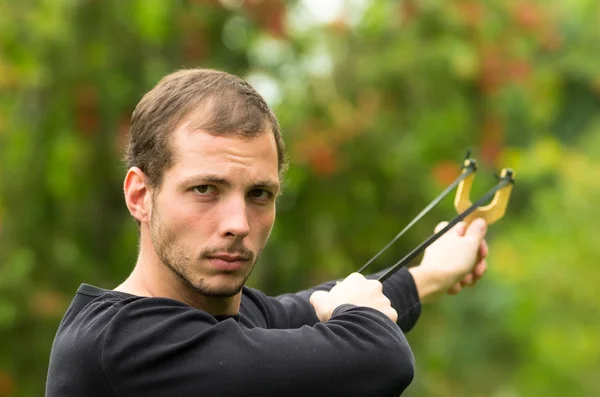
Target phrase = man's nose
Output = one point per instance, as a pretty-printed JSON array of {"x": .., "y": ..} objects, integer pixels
[{"x": 234, "y": 219}]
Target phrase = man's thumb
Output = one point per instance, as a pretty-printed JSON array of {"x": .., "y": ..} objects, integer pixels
[
  {"x": 317, "y": 296},
  {"x": 477, "y": 228}
]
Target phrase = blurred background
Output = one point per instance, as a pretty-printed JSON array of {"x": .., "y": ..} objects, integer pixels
[{"x": 378, "y": 102}]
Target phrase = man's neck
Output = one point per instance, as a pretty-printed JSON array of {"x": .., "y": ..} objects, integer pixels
[{"x": 156, "y": 280}]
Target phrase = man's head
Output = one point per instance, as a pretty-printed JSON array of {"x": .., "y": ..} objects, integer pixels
[
  {"x": 225, "y": 105},
  {"x": 205, "y": 157}
]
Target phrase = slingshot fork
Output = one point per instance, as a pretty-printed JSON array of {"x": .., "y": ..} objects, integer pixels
[
  {"x": 495, "y": 209},
  {"x": 500, "y": 195}
]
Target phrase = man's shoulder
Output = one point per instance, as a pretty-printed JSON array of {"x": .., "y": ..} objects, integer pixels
[
  {"x": 91, "y": 309},
  {"x": 99, "y": 309},
  {"x": 95, "y": 314},
  {"x": 76, "y": 357},
  {"x": 97, "y": 306}
]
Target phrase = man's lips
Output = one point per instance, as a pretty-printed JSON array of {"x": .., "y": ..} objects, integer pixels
[
  {"x": 228, "y": 262},
  {"x": 229, "y": 258}
]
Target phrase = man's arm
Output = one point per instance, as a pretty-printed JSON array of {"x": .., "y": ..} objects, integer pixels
[
  {"x": 400, "y": 289},
  {"x": 456, "y": 260},
  {"x": 158, "y": 347}
]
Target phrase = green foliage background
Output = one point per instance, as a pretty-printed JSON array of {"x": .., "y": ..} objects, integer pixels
[{"x": 378, "y": 108}]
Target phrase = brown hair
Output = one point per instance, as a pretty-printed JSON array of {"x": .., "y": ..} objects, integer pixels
[{"x": 226, "y": 105}]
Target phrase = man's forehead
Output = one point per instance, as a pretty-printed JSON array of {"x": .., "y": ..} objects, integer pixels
[
  {"x": 200, "y": 153},
  {"x": 262, "y": 145}
]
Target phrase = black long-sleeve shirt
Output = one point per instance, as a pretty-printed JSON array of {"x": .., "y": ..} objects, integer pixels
[{"x": 115, "y": 344}]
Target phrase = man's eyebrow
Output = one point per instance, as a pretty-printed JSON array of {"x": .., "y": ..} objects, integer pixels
[
  {"x": 268, "y": 184},
  {"x": 218, "y": 180},
  {"x": 206, "y": 178}
]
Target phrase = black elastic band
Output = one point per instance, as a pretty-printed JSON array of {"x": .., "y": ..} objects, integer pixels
[
  {"x": 414, "y": 253},
  {"x": 469, "y": 170}
]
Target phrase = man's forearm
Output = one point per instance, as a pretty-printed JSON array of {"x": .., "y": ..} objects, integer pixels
[{"x": 428, "y": 285}]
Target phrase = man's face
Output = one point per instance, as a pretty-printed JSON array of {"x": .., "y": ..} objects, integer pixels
[{"x": 215, "y": 208}]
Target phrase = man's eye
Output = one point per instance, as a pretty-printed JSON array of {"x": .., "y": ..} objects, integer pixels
[
  {"x": 204, "y": 189},
  {"x": 260, "y": 194}
]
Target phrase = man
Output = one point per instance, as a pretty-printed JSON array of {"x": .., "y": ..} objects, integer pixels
[{"x": 205, "y": 161}]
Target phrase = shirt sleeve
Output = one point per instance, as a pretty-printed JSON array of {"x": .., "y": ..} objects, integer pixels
[
  {"x": 400, "y": 289},
  {"x": 157, "y": 347}
]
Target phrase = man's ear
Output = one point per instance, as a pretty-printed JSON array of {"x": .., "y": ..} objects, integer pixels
[{"x": 137, "y": 194}]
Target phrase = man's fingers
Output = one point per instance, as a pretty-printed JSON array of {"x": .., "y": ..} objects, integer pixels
[
  {"x": 455, "y": 289},
  {"x": 440, "y": 226},
  {"x": 391, "y": 313},
  {"x": 479, "y": 270},
  {"x": 477, "y": 228},
  {"x": 459, "y": 228},
  {"x": 467, "y": 281},
  {"x": 317, "y": 296},
  {"x": 355, "y": 276},
  {"x": 483, "y": 249}
]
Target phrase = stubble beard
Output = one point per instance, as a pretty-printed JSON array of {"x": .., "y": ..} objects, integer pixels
[{"x": 180, "y": 261}]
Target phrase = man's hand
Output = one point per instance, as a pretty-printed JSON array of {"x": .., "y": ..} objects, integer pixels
[
  {"x": 454, "y": 261},
  {"x": 356, "y": 290}
]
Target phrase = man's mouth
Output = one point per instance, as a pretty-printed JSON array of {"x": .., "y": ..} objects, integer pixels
[
  {"x": 228, "y": 262},
  {"x": 230, "y": 258}
]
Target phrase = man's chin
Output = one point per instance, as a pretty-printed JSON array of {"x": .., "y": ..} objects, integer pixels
[
  {"x": 219, "y": 292},
  {"x": 217, "y": 288}
]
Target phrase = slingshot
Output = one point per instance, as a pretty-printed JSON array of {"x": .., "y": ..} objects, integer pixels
[{"x": 467, "y": 211}]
